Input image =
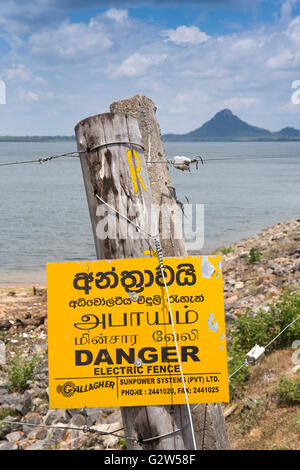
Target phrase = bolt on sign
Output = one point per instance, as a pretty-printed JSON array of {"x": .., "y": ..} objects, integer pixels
[{"x": 110, "y": 334}]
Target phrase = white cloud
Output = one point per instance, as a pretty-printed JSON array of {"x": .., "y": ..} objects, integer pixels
[
  {"x": 117, "y": 15},
  {"x": 23, "y": 17},
  {"x": 40, "y": 80},
  {"x": 27, "y": 95},
  {"x": 293, "y": 30},
  {"x": 241, "y": 102},
  {"x": 70, "y": 41},
  {"x": 280, "y": 61},
  {"x": 195, "y": 72},
  {"x": 137, "y": 65},
  {"x": 17, "y": 72},
  {"x": 183, "y": 103},
  {"x": 245, "y": 44},
  {"x": 186, "y": 35},
  {"x": 286, "y": 11},
  {"x": 248, "y": 71}
]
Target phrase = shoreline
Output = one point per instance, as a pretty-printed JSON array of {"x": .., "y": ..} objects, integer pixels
[
  {"x": 23, "y": 279},
  {"x": 27, "y": 279}
]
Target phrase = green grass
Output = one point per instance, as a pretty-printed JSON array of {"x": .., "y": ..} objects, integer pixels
[
  {"x": 225, "y": 250},
  {"x": 122, "y": 443},
  {"x": 4, "y": 413},
  {"x": 254, "y": 256},
  {"x": 288, "y": 391},
  {"x": 20, "y": 371},
  {"x": 251, "y": 413},
  {"x": 261, "y": 329}
]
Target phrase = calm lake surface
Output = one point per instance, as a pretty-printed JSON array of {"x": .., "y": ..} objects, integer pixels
[{"x": 44, "y": 214}]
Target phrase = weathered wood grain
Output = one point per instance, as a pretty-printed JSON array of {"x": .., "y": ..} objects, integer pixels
[
  {"x": 106, "y": 172},
  {"x": 209, "y": 421}
]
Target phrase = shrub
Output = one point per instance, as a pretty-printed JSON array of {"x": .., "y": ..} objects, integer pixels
[
  {"x": 4, "y": 413},
  {"x": 252, "y": 411},
  {"x": 264, "y": 326},
  {"x": 288, "y": 391},
  {"x": 237, "y": 381},
  {"x": 20, "y": 371},
  {"x": 254, "y": 256},
  {"x": 284, "y": 312},
  {"x": 261, "y": 329},
  {"x": 122, "y": 443},
  {"x": 225, "y": 250}
]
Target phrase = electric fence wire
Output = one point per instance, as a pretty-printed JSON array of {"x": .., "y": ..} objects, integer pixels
[
  {"x": 213, "y": 159},
  {"x": 84, "y": 429},
  {"x": 245, "y": 363},
  {"x": 160, "y": 257},
  {"x": 265, "y": 347},
  {"x": 195, "y": 159},
  {"x": 113, "y": 433},
  {"x": 161, "y": 266},
  {"x": 42, "y": 159}
]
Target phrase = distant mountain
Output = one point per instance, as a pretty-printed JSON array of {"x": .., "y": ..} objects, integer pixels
[
  {"x": 226, "y": 126},
  {"x": 36, "y": 138},
  {"x": 288, "y": 132}
]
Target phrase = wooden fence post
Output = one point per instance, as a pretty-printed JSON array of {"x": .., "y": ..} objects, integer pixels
[
  {"x": 107, "y": 144},
  {"x": 210, "y": 429}
]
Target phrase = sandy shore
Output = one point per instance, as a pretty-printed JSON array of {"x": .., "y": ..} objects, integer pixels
[{"x": 23, "y": 278}]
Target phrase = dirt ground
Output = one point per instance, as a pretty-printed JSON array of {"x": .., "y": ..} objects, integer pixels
[{"x": 259, "y": 422}]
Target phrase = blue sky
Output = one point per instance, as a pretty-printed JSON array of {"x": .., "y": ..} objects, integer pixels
[{"x": 63, "y": 60}]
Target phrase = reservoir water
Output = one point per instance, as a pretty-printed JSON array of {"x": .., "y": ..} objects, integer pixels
[{"x": 44, "y": 214}]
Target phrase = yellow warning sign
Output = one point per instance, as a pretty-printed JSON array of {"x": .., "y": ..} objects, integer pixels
[{"x": 110, "y": 335}]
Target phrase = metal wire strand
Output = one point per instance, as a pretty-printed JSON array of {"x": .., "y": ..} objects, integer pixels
[
  {"x": 171, "y": 433},
  {"x": 217, "y": 159},
  {"x": 108, "y": 144},
  {"x": 279, "y": 334},
  {"x": 196, "y": 159},
  {"x": 160, "y": 257},
  {"x": 86, "y": 429},
  {"x": 269, "y": 344},
  {"x": 239, "y": 368},
  {"x": 83, "y": 428},
  {"x": 125, "y": 218},
  {"x": 42, "y": 159},
  {"x": 245, "y": 363}
]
